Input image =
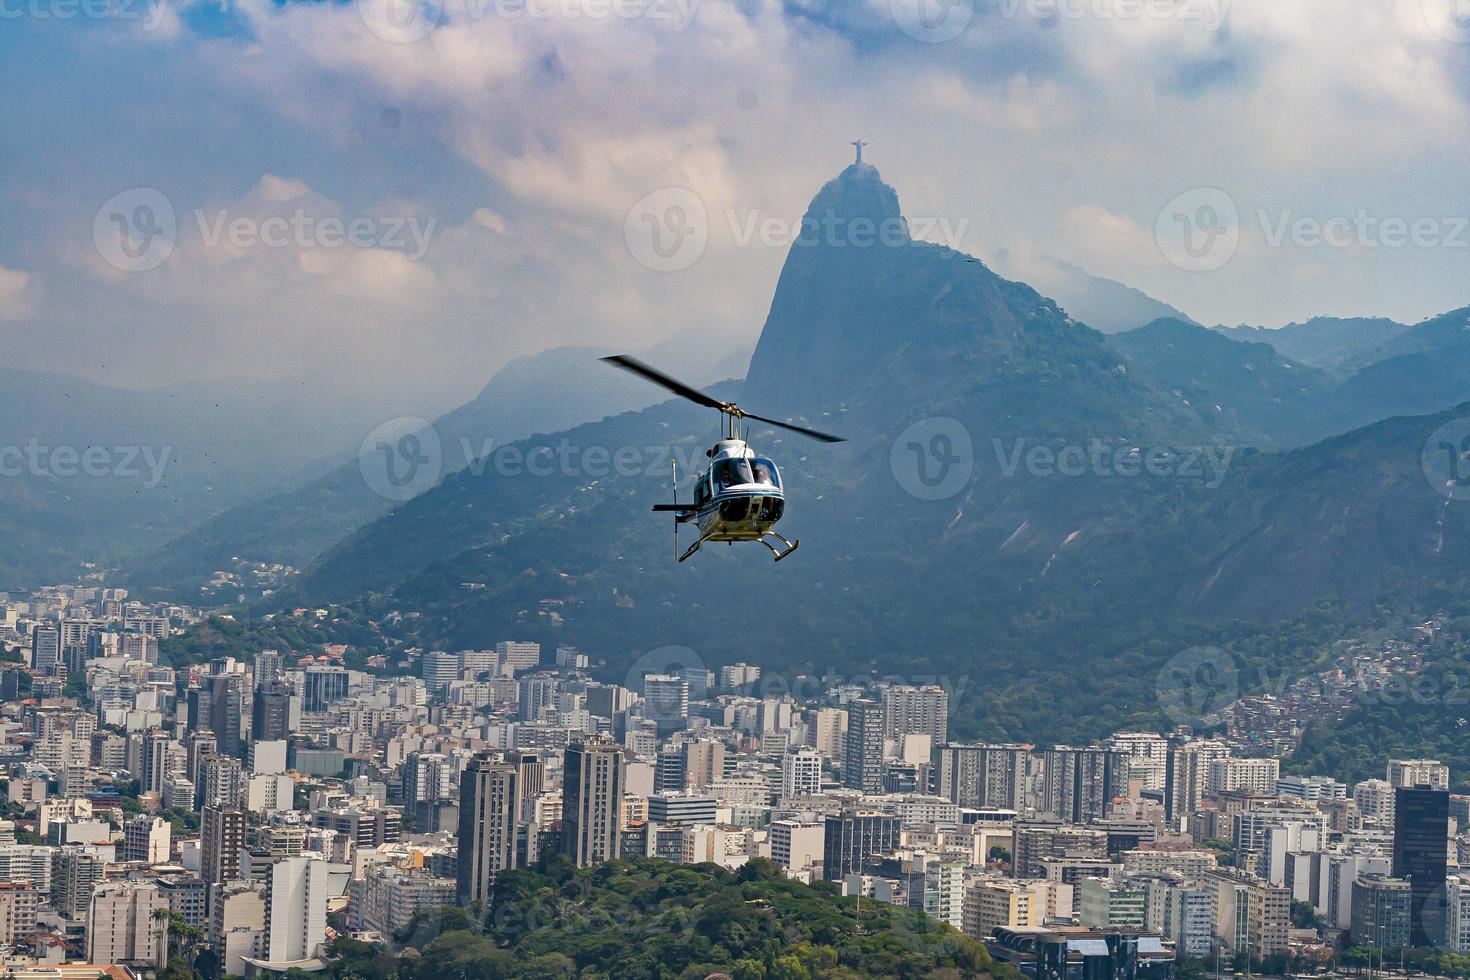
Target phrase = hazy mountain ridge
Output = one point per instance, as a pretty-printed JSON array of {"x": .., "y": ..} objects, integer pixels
[
  {"x": 1336, "y": 344},
  {"x": 104, "y": 474},
  {"x": 545, "y": 392},
  {"x": 1103, "y": 304},
  {"x": 1021, "y": 557}
]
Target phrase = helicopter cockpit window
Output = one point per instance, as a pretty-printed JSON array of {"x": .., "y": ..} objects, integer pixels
[
  {"x": 731, "y": 473},
  {"x": 764, "y": 473}
]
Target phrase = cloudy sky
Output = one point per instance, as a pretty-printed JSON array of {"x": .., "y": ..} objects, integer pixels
[{"x": 392, "y": 197}]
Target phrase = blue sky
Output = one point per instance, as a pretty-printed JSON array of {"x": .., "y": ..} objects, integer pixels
[{"x": 520, "y": 144}]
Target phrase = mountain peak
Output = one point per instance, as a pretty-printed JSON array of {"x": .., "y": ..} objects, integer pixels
[{"x": 856, "y": 194}]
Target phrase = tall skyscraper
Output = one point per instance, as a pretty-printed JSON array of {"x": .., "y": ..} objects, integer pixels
[
  {"x": 862, "y": 762},
  {"x": 981, "y": 775},
  {"x": 269, "y": 665},
  {"x": 666, "y": 702},
  {"x": 323, "y": 687},
  {"x": 216, "y": 706},
  {"x": 1187, "y": 775},
  {"x": 592, "y": 802},
  {"x": 156, "y": 749},
  {"x": 489, "y": 809},
  {"x": 917, "y": 711},
  {"x": 801, "y": 772},
  {"x": 1148, "y": 756},
  {"x": 704, "y": 763},
  {"x": 221, "y": 839},
  {"x": 1418, "y": 772},
  {"x": 853, "y": 837},
  {"x": 270, "y": 717},
  {"x": 1080, "y": 782},
  {"x": 296, "y": 909},
  {"x": 46, "y": 650},
  {"x": 1421, "y": 830}
]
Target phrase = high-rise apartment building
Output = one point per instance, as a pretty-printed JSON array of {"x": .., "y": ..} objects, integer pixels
[
  {"x": 862, "y": 762},
  {"x": 801, "y": 772},
  {"x": 124, "y": 924},
  {"x": 1421, "y": 830},
  {"x": 854, "y": 836},
  {"x": 1418, "y": 772},
  {"x": 982, "y": 776},
  {"x": 221, "y": 839},
  {"x": 592, "y": 802},
  {"x": 910, "y": 710},
  {"x": 489, "y": 811},
  {"x": 1079, "y": 783}
]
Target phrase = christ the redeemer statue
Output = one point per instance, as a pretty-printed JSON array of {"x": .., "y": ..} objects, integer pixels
[{"x": 859, "y": 144}]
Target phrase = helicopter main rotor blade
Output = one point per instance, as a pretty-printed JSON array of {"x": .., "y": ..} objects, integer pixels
[
  {"x": 659, "y": 378},
  {"x": 811, "y": 433}
]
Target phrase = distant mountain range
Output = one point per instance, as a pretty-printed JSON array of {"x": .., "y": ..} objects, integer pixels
[
  {"x": 544, "y": 392},
  {"x": 1331, "y": 343},
  {"x": 94, "y": 473},
  {"x": 1118, "y": 499},
  {"x": 1103, "y": 304}
]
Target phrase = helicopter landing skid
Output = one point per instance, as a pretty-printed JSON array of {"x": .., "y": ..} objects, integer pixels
[
  {"x": 780, "y": 553},
  {"x": 692, "y": 549}
]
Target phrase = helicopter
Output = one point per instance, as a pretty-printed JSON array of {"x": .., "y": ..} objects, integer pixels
[{"x": 740, "y": 496}]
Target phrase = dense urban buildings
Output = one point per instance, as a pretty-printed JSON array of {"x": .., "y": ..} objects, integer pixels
[{"x": 273, "y": 802}]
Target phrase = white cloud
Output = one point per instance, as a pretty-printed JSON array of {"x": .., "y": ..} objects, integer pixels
[
  {"x": 528, "y": 140},
  {"x": 18, "y": 293}
]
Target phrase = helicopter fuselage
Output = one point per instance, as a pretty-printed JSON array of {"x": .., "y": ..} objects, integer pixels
[{"x": 738, "y": 498}]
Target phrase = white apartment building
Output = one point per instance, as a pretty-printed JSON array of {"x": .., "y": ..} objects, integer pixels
[
  {"x": 1254, "y": 775},
  {"x": 801, "y": 772},
  {"x": 296, "y": 909},
  {"x": 1148, "y": 756},
  {"x": 122, "y": 927},
  {"x": 796, "y": 846},
  {"x": 1418, "y": 772},
  {"x": 1111, "y": 903},
  {"x": 1190, "y": 864},
  {"x": 1374, "y": 798}
]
